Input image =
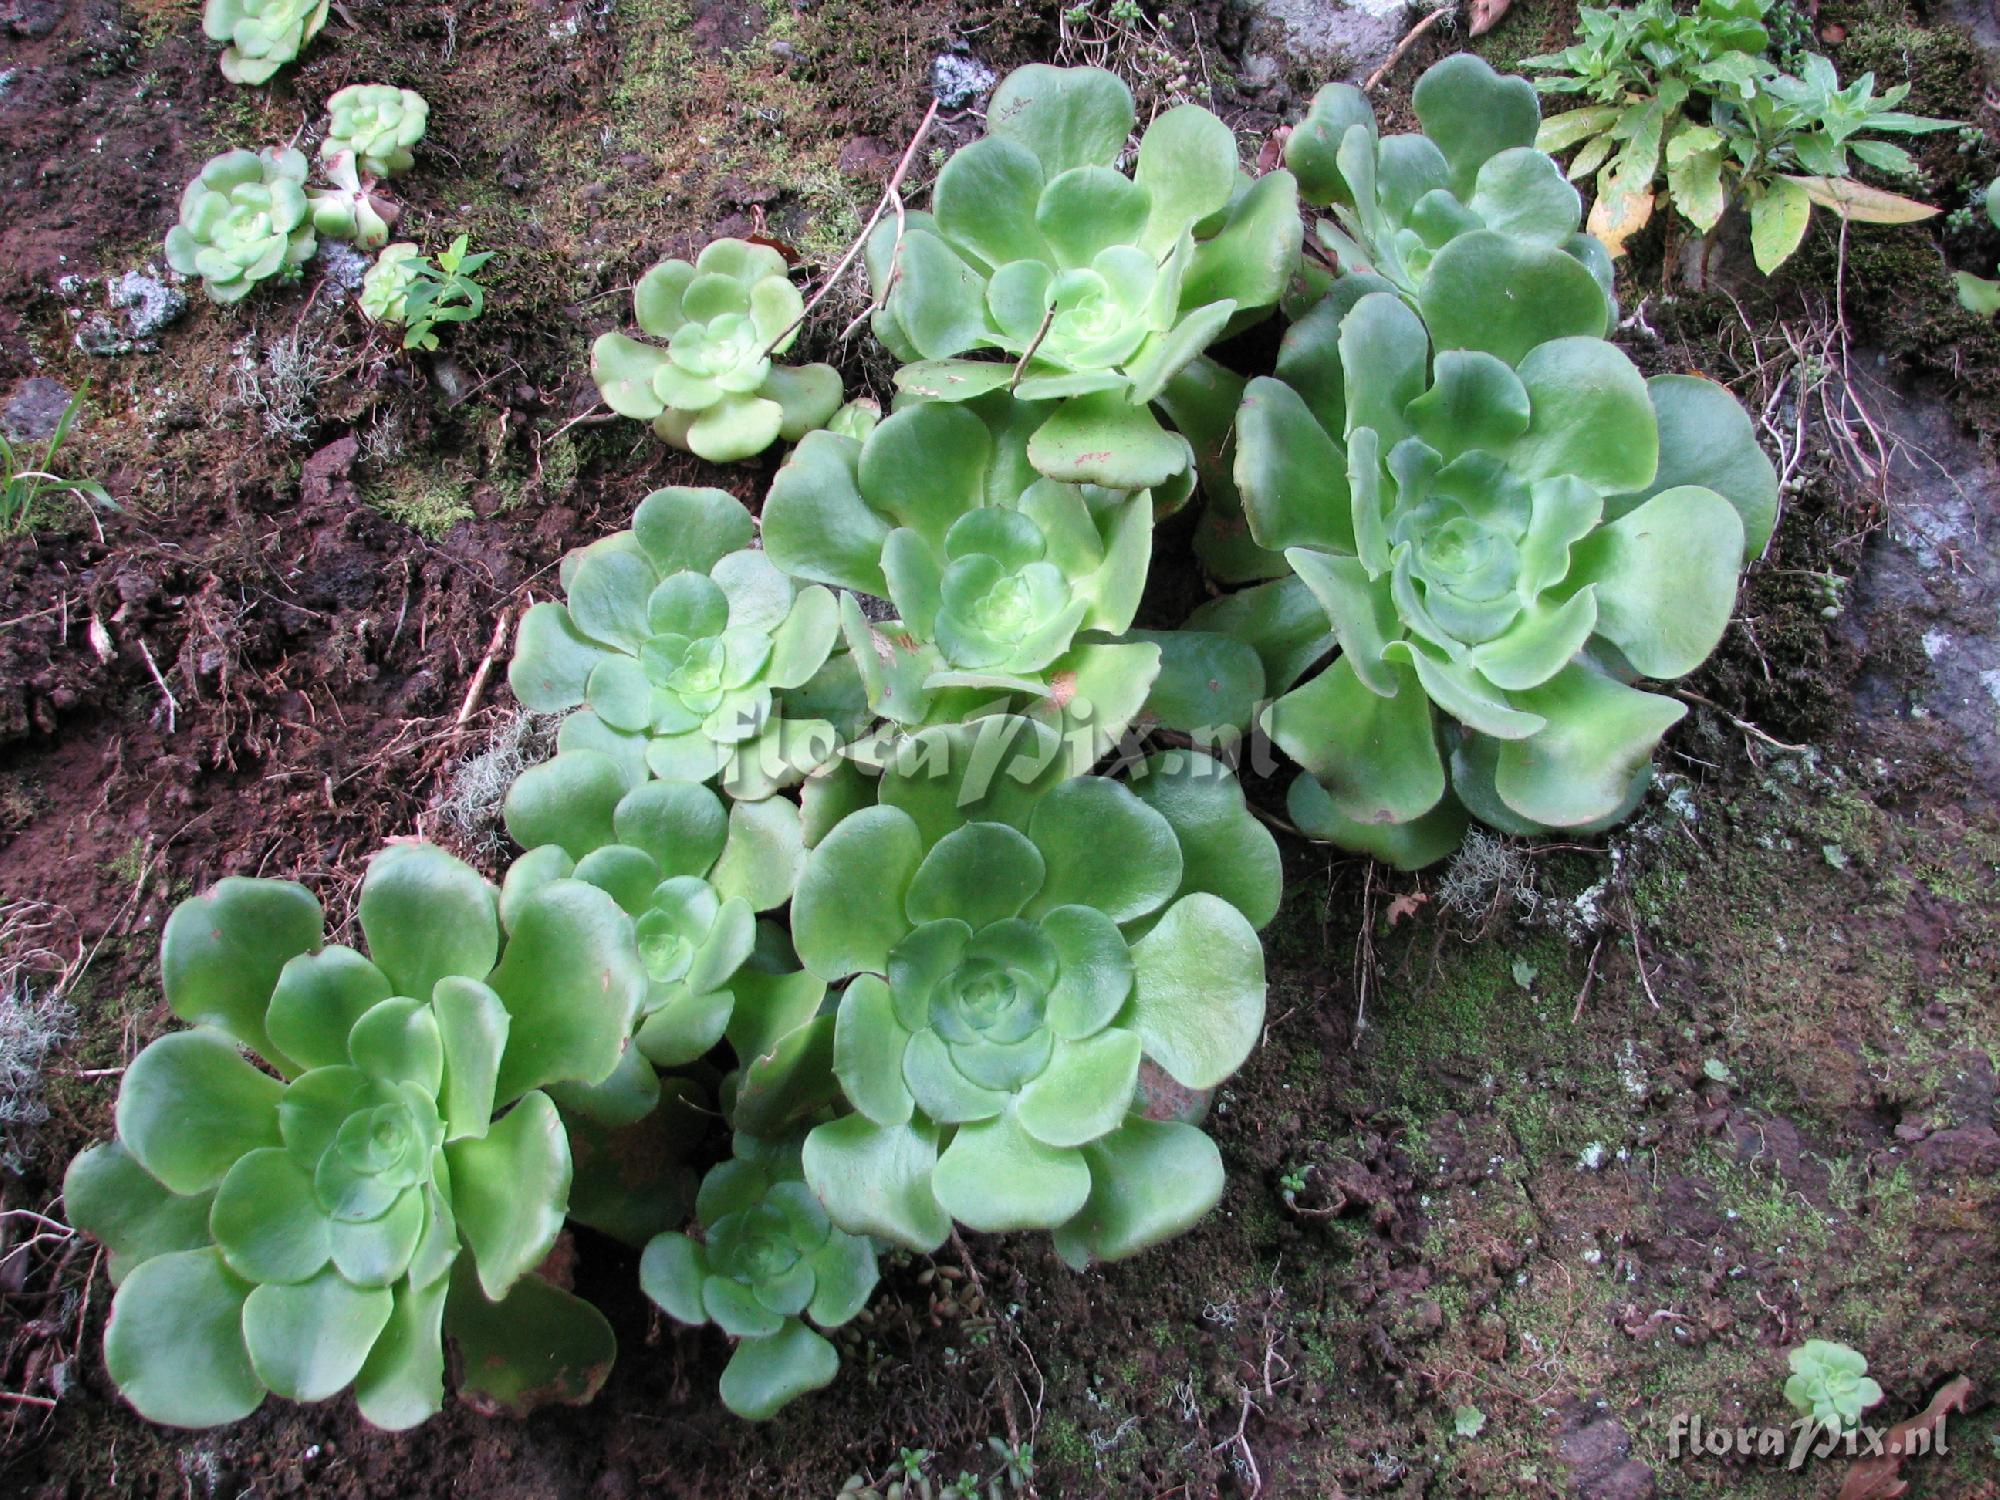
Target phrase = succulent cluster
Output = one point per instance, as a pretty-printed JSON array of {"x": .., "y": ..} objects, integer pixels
[{"x": 832, "y": 847}]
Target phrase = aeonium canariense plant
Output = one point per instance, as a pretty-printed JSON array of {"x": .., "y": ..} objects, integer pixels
[
  {"x": 716, "y": 389},
  {"x": 1503, "y": 546},
  {"x": 1092, "y": 287},
  {"x": 684, "y": 653},
  {"x": 1022, "y": 948},
  {"x": 263, "y": 35},
  {"x": 243, "y": 220},
  {"x": 1466, "y": 205},
  {"x": 395, "y": 1176},
  {"x": 1007, "y": 586},
  {"x": 768, "y": 1260}
]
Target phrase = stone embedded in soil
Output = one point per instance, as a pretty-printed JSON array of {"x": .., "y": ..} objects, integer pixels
[
  {"x": 32, "y": 412},
  {"x": 343, "y": 264},
  {"x": 99, "y": 335},
  {"x": 957, "y": 80},
  {"x": 150, "y": 305},
  {"x": 1327, "y": 36}
]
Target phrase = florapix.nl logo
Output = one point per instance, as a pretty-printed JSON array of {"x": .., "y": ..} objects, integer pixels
[{"x": 1801, "y": 1441}]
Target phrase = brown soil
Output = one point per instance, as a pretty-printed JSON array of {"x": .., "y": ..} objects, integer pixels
[{"x": 1620, "y": 1126}]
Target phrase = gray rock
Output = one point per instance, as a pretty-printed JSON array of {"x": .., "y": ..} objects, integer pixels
[
  {"x": 32, "y": 412},
  {"x": 1340, "y": 41},
  {"x": 149, "y": 305},
  {"x": 957, "y": 80},
  {"x": 98, "y": 334},
  {"x": 343, "y": 265}
]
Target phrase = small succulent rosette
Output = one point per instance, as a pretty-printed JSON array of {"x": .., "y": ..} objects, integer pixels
[
  {"x": 349, "y": 209},
  {"x": 1092, "y": 287},
  {"x": 1829, "y": 1383},
  {"x": 263, "y": 35},
  {"x": 692, "y": 876},
  {"x": 243, "y": 220},
  {"x": 716, "y": 388},
  {"x": 769, "y": 1269},
  {"x": 1021, "y": 948},
  {"x": 1503, "y": 546},
  {"x": 395, "y": 1177},
  {"x": 1469, "y": 202},
  {"x": 684, "y": 653},
  {"x": 1009, "y": 590},
  {"x": 375, "y": 125},
  {"x": 386, "y": 284}
]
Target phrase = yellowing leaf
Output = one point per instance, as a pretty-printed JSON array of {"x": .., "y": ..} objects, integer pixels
[
  {"x": 1616, "y": 216},
  {"x": 1778, "y": 222},
  {"x": 1560, "y": 132},
  {"x": 1860, "y": 202},
  {"x": 1695, "y": 180}
]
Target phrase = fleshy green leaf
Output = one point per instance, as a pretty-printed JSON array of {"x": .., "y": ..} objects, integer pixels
[
  {"x": 308, "y": 1342},
  {"x": 572, "y": 981},
  {"x": 1198, "y": 992},
  {"x": 174, "y": 1344},
  {"x": 1665, "y": 577},
  {"x": 108, "y": 1194},
  {"x": 509, "y": 1191},
  {"x": 995, "y": 1177},
  {"x": 190, "y": 1106},
  {"x": 1580, "y": 768},
  {"x": 222, "y": 953},
  {"x": 848, "y": 912},
  {"x": 1149, "y": 1181},
  {"x": 876, "y": 1179},
  {"x": 765, "y": 1373},
  {"x": 538, "y": 1346}
]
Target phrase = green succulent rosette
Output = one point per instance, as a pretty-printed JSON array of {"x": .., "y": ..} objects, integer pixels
[
  {"x": 1095, "y": 287},
  {"x": 394, "y": 1177},
  {"x": 685, "y": 653},
  {"x": 1009, "y": 589},
  {"x": 375, "y": 124},
  {"x": 1018, "y": 944},
  {"x": 1829, "y": 1383},
  {"x": 1466, "y": 205},
  {"x": 1501, "y": 551},
  {"x": 715, "y": 389},
  {"x": 244, "y": 219},
  {"x": 768, "y": 1264},
  {"x": 263, "y": 35},
  {"x": 386, "y": 284},
  {"x": 692, "y": 875}
]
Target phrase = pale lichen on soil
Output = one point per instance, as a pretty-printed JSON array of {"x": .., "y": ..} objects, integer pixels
[{"x": 1621, "y": 1123}]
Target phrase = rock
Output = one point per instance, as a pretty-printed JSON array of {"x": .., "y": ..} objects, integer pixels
[
  {"x": 31, "y": 19},
  {"x": 957, "y": 80},
  {"x": 1259, "y": 72},
  {"x": 97, "y": 334},
  {"x": 1357, "y": 37},
  {"x": 149, "y": 305},
  {"x": 343, "y": 264},
  {"x": 34, "y": 409},
  {"x": 1595, "y": 1453}
]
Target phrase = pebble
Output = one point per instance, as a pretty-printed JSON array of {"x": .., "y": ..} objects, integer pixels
[{"x": 957, "y": 81}]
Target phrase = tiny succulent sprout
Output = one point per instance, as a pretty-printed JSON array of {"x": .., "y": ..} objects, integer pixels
[
  {"x": 1829, "y": 1383},
  {"x": 1468, "y": 203},
  {"x": 768, "y": 1260},
  {"x": 716, "y": 389},
  {"x": 1500, "y": 544},
  {"x": 1094, "y": 287},
  {"x": 685, "y": 653},
  {"x": 387, "y": 283},
  {"x": 1029, "y": 958},
  {"x": 1004, "y": 583},
  {"x": 397, "y": 1175},
  {"x": 347, "y": 209},
  {"x": 263, "y": 35},
  {"x": 691, "y": 876},
  {"x": 376, "y": 124},
  {"x": 244, "y": 219}
]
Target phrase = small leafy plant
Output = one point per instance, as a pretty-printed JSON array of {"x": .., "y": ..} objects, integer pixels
[
  {"x": 768, "y": 1260},
  {"x": 442, "y": 292},
  {"x": 263, "y": 35},
  {"x": 376, "y": 124},
  {"x": 24, "y": 484},
  {"x": 1829, "y": 1383},
  {"x": 1694, "y": 97},
  {"x": 1020, "y": 946},
  {"x": 1095, "y": 287},
  {"x": 398, "y": 1174},
  {"x": 715, "y": 389},
  {"x": 243, "y": 220},
  {"x": 684, "y": 653}
]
